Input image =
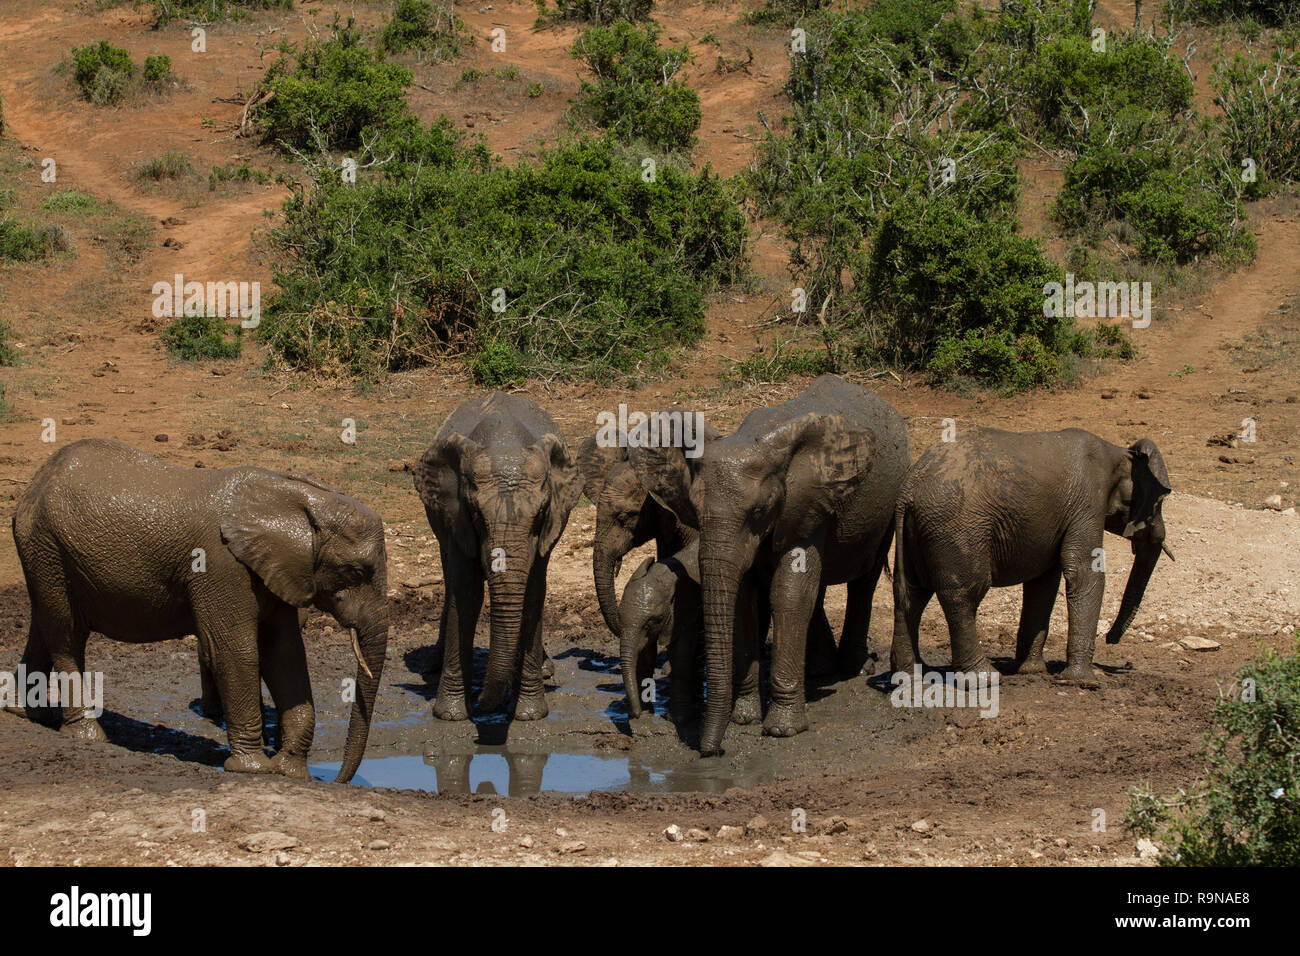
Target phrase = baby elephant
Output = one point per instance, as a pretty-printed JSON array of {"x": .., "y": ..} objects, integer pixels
[
  {"x": 997, "y": 508},
  {"x": 662, "y": 598},
  {"x": 115, "y": 541}
]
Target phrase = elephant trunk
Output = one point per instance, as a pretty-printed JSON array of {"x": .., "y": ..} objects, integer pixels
[
  {"x": 506, "y": 591},
  {"x": 370, "y": 644},
  {"x": 605, "y": 562},
  {"x": 720, "y": 587},
  {"x": 628, "y": 657},
  {"x": 1145, "y": 555}
]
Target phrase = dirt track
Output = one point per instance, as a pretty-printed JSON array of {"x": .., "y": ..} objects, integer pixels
[{"x": 911, "y": 787}]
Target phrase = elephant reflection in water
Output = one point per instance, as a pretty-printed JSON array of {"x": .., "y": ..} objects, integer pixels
[{"x": 524, "y": 774}]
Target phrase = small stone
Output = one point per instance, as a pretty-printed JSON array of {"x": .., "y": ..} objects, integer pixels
[
  {"x": 696, "y": 835},
  {"x": 376, "y": 815},
  {"x": 1273, "y": 502},
  {"x": 281, "y": 858},
  {"x": 1198, "y": 644},
  {"x": 756, "y": 824},
  {"x": 673, "y": 833},
  {"x": 377, "y": 845},
  {"x": 782, "y": 858},
  {"x": 526, "y": 842},
  {"x": 730, "y": 833},
  {"x": 1146, "y": 850},
  {"x": 922, "y": 826},
  {"x": 869, "y": 852},
  {"x": 561, "y": 832},
  {"x": 162, "y": 436},
  {"x": 836, "y": 825},
  {"x": 575, "y": 846},
  {"x": 99, "y": 815},
  {"x": 267, "y": 841}
]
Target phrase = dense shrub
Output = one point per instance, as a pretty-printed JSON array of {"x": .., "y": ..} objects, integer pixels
[
  {"x": 103, "y": 72},
  {"x": 170, "y": 165},
  {"x": 337, "y": 87},
  {"x": 27, "y": 242},
  {"x": 600, "y": 272},
  {"x": 71, "y": 201},
  {"x": 193, "y": 337},
  {"x": 420, "y": 25},
  {"x": 1260, "y": 100},
  {"x": 596, "y": 12},
  {"x": 1243, "y": 812},
  {"x": 7, "y": 354},
  {"x": 784, "y": 12},
  {"x": 157, "y": 69},
  {"x": 205, "y": 11},
  {"x": 635, "y": 96},
  {"x": 242, "y": 173},
  {"x": 1267, "y": 12}
]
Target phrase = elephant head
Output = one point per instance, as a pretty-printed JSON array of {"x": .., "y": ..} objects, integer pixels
[
  {"x": 314, "y": 547},
  {"x": 504, "y": 509},
  {"x": 646, "y": 613},
  {"x": 763, "y": 490},
  {"x": 626, "y": 516},
  {"x": 1139, "y": 487}
]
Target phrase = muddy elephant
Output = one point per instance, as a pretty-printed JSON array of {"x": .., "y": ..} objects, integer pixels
[
  {"x": 626, "y": 516},
  {"x": 661, "y": 604},
  {"x": 801, "y": 495},
  {"x": 498, "y": 483},
  {"x": 115, "y": 541},
  {"x": 995, "y": 508}
]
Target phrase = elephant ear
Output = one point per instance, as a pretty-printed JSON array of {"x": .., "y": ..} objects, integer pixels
[
  {"x": 439, "y": 483},
  {"x": 1150, "y": 484},
  {"x": 642, "y": 570},
  {"x": 595, "y": 461},
  {"x": 271, "y": 530},
  {"x": 668, "y": 475},
  {"x": 827, "y": 459},
  {"x": 565, "y": 485}
]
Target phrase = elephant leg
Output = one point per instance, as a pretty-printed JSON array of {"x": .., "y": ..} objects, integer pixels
[
  {"x": 910, "y": 600},
  {"x": 960, "y": 607},
  {"x": 1035, "y": 616},
  {"x": 65, "y": 639},
  {"x": 463, "y": 601},
  {"x": 794, "y": 599},
  {"x": 854, "y": 652},
  {"x": 751, "y": 627},
  {"x": 822, "y": 654},
  {"x": 683, "y": 695},
  {"x": 548, "y": 665},
  {"x": 36, "y": 660},
  {"x": 284, "y": 668},
  {"x": 531, "y": 702},
  {"x": 238, "y": 672},
  {"x": 1084, "y": 589},
  {"x": 209, "y": 697}
]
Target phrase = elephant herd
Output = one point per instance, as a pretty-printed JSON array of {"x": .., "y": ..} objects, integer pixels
[{"x": 750, "y": 530}]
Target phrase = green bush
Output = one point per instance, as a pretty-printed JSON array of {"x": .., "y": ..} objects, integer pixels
[
  {"x": 596, "y": 12},
  {"x": 27, "y": 242},
  {"x": 419, "y": 25},
  {"x": 601, "y": 272},
  {"x": 170, "y": 165},
  {"x": 1268, "y": 12},
  {"x": 206, "y": 11},
  {"x": 193, "y": 337},
  {"x": 1260, "y": 100},
  {"x": 783, "y": 12},
  {"x": 498, "y": 365},
  {"x": 1243, "y": 811},
  {"x": 635, "y": 96},
  {"x": 337, "y": 88},
  {"x": 104, "y": 72},
  {"x": 157, "y": 69},
  {"x": 71, "y": 201},
  {"x": 243, "y": 173},
  {"x": 7, "y": 354}
]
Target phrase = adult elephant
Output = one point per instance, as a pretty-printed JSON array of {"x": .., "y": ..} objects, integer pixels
[
  {"x": 802, "y": 494},
  {"x": 626, "y": 516},
  {"x": 115, "y": 541},
  {"x": 995, "y": 508},
  {"x": 498, "y": 484}
]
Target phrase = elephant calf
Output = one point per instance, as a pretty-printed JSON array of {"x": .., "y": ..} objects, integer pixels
[
  {"x": 662, "y": 598},
  {"x": 996, "y": 508},
  {"x": 115, "y": 541},
  {"x": 498, "y": 484}
]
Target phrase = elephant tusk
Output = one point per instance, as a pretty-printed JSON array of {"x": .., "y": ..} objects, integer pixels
[
  {"x": 356, "y": 649},
  {"x": 1165, "y": 549}
]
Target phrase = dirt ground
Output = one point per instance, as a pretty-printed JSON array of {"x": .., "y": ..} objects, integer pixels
[{"x": 873, "y": 784}]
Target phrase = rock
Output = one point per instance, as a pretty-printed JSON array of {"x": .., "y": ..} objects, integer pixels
[
  {"x": 1273, "y": 502},
  {"x": 782, "y": 858},
  {"x": 696, "y": 835},
  {"x": 922, "y": 826},
  {"x": 673, "y": 833},
  {"x": 526, "y": 842},
  {"x": 836, "y": 825},
  {"x": 869, "y": 852},
  {"x": 376, "y": 815},
  {"x": 730, "y": 833},
  {"x": 1146, "y": 850},
  {"x": 575, "y": 846},
  {"x": 281, "y": 858},
  {"x": 1198, "y": 644},
  {"x": 377, "y": 845},
  {"x": 757, "y": 824},
  {"x": 162, "y": 436},
  {"x": 268, "y": 840}
]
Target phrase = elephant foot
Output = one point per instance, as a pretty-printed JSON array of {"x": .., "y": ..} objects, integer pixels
[
  {"x": 905, "y": 664},
  {"x": 291, "y": 765},
  {"x": 982, "y": 665},
  {"x": 86, "y": 728},
  {"x": 448, "y": 707},
  {"x": 548, "y": 668},
  {"x": 785, "y": 720},
  {"x": 747, "y": 709},
  {"x": 1034, "y": 665},
  {"x": 249, "y": 762},
  {"x": 1080, "y": 674},
  {"x": 531, "y": 707}
]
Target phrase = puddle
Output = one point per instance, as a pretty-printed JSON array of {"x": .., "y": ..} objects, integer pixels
[{"x": 521, "y": 774}]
